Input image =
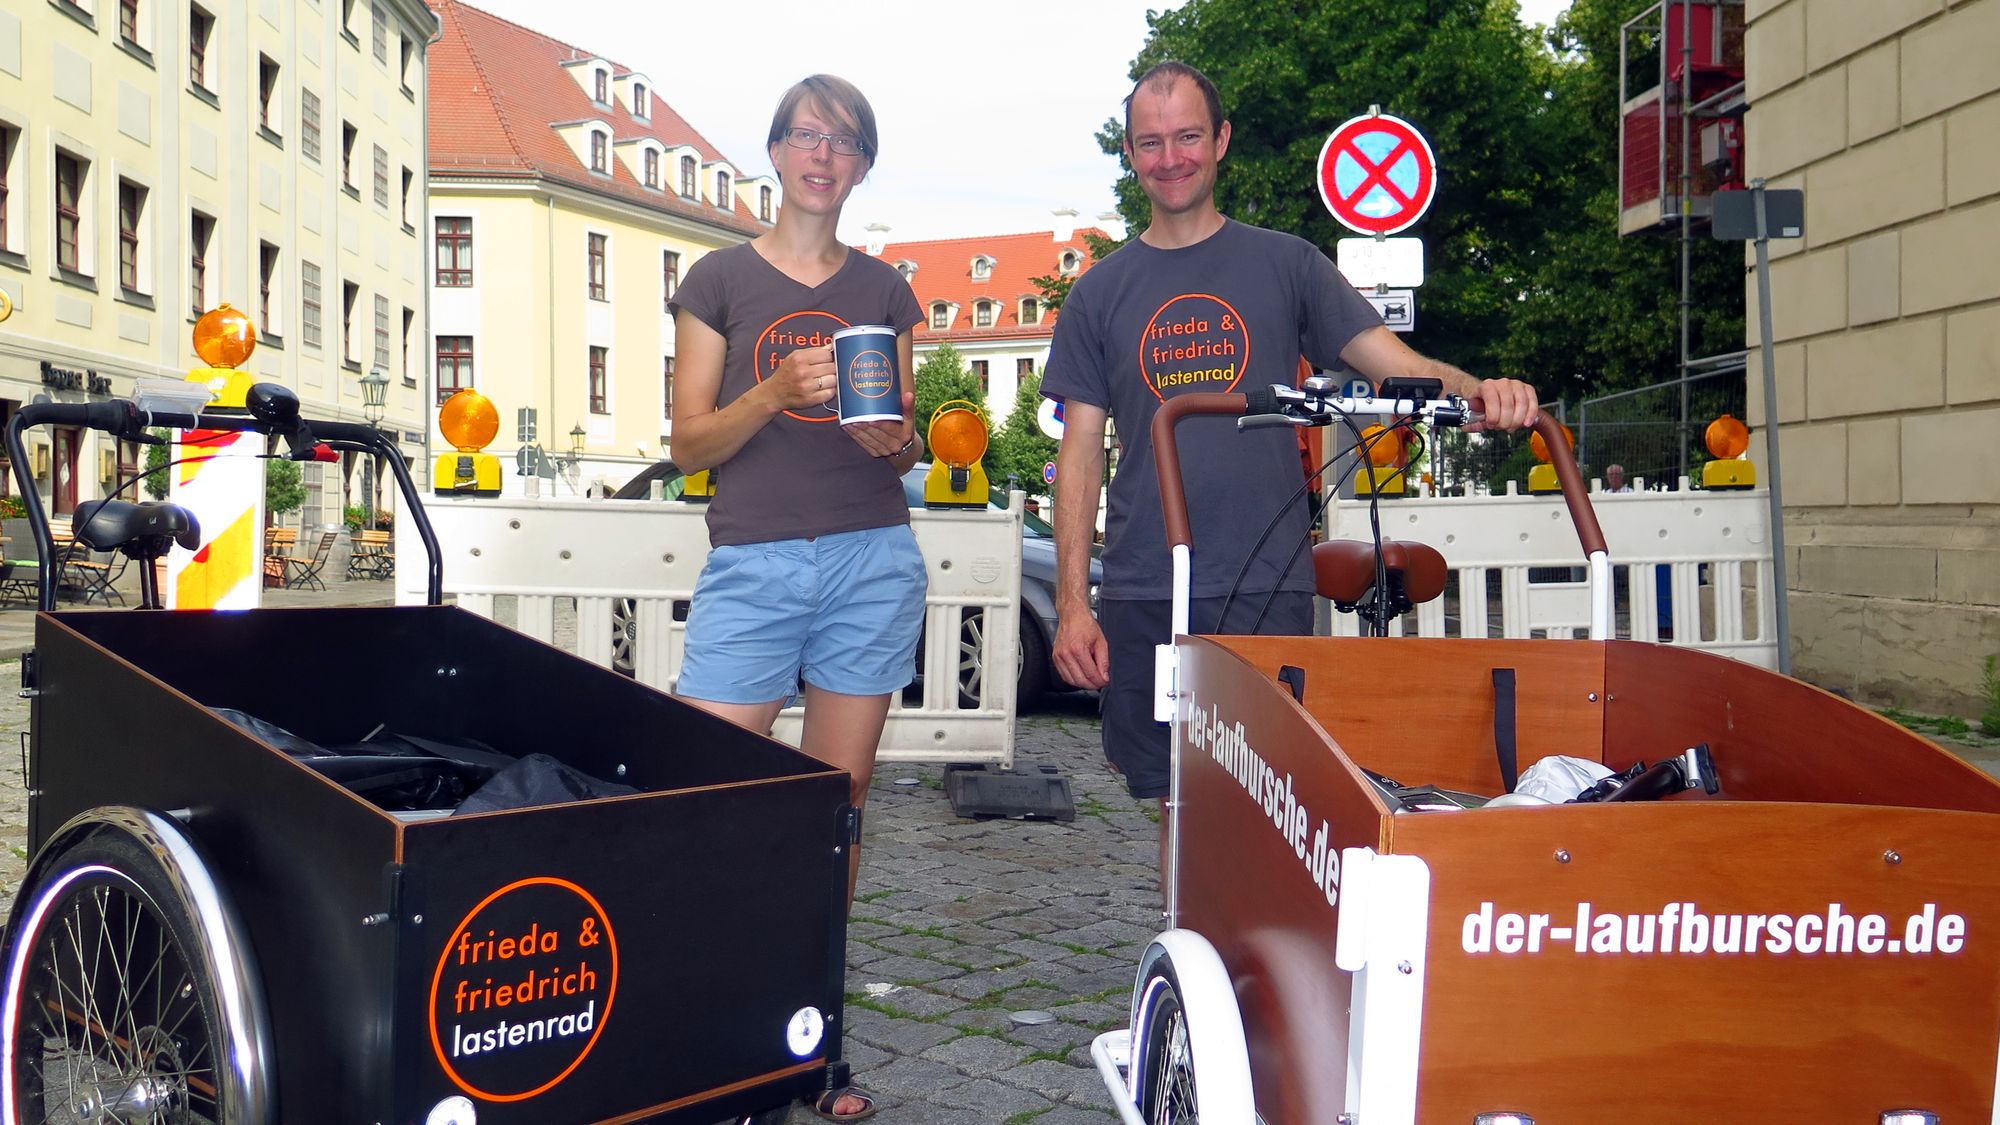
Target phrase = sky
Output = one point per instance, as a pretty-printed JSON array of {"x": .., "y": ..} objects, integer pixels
[{"x": 988, "y": 114}]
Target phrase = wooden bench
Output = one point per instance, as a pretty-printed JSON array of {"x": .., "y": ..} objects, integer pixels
[
  {"x": 374, "y": 555},
  {"x": 278, "y": 543}
]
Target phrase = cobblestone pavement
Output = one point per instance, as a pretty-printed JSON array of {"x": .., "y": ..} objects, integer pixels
[{"x": 958, "y": 926}]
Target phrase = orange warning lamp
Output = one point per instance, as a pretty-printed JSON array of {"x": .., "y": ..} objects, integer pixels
[
  {"x": 469, "y": 421},
  {"x": 1386, "y": 452},
  {"x": 1727, "y": 439},
  {"x": 957, "y": 440},
  {"x": 224, "y": 339},
  {"x": 1542, "y": 478}
]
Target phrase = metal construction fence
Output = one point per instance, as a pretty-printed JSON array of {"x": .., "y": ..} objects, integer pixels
[{"x": 1656, "y": 432}]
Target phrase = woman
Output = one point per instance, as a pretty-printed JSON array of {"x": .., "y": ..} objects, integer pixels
[{"x": 814, "y": 576}]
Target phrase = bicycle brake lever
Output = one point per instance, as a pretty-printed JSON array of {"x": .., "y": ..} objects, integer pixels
[{"x": 1262, "y": 421}]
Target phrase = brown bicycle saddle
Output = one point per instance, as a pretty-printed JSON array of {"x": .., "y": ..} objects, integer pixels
[{"x": 1344, "y": 569}]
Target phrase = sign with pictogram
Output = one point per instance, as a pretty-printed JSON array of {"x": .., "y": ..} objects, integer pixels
[
  {"x": 1396, "y": 307},
  {"x": 1377, "y": 174}
]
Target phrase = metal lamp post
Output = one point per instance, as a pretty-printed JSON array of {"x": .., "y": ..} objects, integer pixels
[
  {"x": 574, "y": 463},
  {"x": 374, "y": 403}
]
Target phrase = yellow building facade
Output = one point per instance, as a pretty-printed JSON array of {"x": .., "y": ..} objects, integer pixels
[
  {"x": 562, "y": 216},
  {"x": 162, "y": 157}
]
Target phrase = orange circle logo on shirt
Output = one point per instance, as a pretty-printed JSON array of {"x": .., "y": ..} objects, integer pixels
[
  {"x": 1195, "y": 342},
  {"x": 787, "y": 334}
]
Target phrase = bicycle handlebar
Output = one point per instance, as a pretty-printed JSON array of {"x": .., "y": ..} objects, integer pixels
[
  {"x": 125, "y": 419},
  {"x": 1290, "y": 406}
]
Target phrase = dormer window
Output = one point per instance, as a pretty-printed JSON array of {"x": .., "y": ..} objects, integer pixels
[
  {"x": 639, "y": 100},
  {"x": 602, "y": 91},
  {"x": 652, "y": 166},
  {"x": 687, "y": 177},
  {"x": 722, "y": 199},
  {"x": 1031, "y": 311},
  {"x": 982, "y": 268},
  {"x": 764, "y": 203},
  {"x": 1070, "y": 261},
  {"x": 599, "y": 161},
  {"x": 982, "y": 314},
  {"x": 940, "y": 316},
  {"x": 907, "y": 268}
]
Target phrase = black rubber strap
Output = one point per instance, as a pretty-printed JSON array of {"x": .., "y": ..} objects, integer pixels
[
  {"x": 1503, "y": 726},
  {"x": 1295, "y": 678}
]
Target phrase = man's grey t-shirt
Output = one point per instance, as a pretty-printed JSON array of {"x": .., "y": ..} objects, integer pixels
[
  {"x": 1233, "y": 312},
  {"x": 801, "y": 475}
]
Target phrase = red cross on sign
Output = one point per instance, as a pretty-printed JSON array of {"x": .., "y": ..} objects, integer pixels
[{"x": 1377, "y": 174}]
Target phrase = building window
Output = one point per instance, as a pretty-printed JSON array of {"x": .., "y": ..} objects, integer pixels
[
  {"x": 349, "y": 136},
  {"x": 267, "y": 278},
  {"x": 404, "y": 54},
  {"x": 722, "y": 199},
  {"x": 309, "y": 125},
  {"x": 670, "y": 278},
  {"x": 764, "y": 203},
  {"x": 201, "y": 230},
  {"x": 382, "y": 332},
  {"x": 1024, "y": 369},
  {"x": 350, "y": 295},
  {"x": 687, "y": 177},
  {"x": 269, "y": 114},
  {"x": 982, "y": 268},
  {"x": 979, "y": 373},
  {"x": 454, "y": 365},
  {"x": 601, "y": 80},
  {"x": 7, "y": 136},
  {"x": 403, "y": 367},
  {"x": 598, "y": 395},
  {"x": 1031, "y": 311},
  {"x": 309, "y": 304},
  {"x": 454, "y": 253},
  {"x": 70, "y": 173},
  {"x": 381, "y": 177},
  {"x": 1070, "y": 261},
  {"x": 347, "y": 22},
  {"x": 597, "y": 156},
  {"x": 639, "y": 99},
  {"x": 940, "y": 316},
  {"x": 409, "y": 181},
  {"x": 652, "y": 163},
  {"x": 982, "y": 314},
  {"x": 907, "y": 268},
  {"x": 200, "y": 24},
  {"x": 128, "y": 21},
  {"x": 667, "y": 388},
  {"x": 380, "y": 17},
  {"x": 597, "y": 267},
  {"x": 131, "y": 208}
]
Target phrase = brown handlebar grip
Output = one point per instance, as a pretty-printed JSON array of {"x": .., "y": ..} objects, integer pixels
[
  {"x": 1167, "y": 455},
  {"x": 1574, "y": 493}
]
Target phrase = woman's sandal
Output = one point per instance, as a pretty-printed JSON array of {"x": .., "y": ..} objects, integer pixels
[{"x": 822, "y": 1106}]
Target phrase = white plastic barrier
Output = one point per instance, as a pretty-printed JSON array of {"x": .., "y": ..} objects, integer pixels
[
  {"x": 621, "y": 560},
  {"x": 1714, "y": 547}
]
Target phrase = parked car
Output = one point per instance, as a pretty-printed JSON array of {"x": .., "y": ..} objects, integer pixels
[{"x": 1035, "y": 675}]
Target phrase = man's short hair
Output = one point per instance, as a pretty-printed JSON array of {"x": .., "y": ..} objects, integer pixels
[{"x": 1164, "y": 75}]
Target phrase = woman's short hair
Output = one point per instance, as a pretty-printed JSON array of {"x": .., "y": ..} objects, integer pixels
[{"x": 832, "y": 95}]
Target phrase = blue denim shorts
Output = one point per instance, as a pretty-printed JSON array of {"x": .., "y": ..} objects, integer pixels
[{"x": 842, "y": 612}]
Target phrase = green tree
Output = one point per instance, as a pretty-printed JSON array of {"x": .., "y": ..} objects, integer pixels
[
  {"x": 943, "y": 377},
  {"x": 1020, "y": 449},
  {"x": 157, "y": 479},
  {"x": 284, "y": 488}
]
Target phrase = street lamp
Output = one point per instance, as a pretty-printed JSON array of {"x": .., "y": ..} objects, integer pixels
[
  {"x": 573, "y": 462},
  {"x": 374, "y": 402}
]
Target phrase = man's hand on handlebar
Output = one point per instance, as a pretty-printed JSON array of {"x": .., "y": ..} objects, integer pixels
[
  {"x": 1081, "y": 655},
  {"x": 1507, "y": 404}
]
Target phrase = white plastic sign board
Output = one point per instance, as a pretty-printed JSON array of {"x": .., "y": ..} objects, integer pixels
[
  {"x": 1369, "y": 262},
  {"x": 1049, "y": 415},
  {"x": 1396, "y": 307}
]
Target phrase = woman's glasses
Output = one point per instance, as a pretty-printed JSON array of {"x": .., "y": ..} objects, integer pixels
[{"x": 846, "y": 144}]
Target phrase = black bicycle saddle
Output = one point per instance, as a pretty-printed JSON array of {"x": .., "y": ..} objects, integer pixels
[{"x": 112, "y": 525}]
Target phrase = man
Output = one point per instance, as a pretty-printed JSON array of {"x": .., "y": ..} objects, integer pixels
[
  {"x": 1197, "y": 303},
  {"x": 1614, "y": 479}
]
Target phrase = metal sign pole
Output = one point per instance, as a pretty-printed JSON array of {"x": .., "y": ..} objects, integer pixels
[{"x": 1763, "y": 241}]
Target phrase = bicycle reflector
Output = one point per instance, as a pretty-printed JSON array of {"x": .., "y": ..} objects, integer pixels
[
  {"x": 469, "y": 421},
  {"x": 957, "y": 440},
  {"x": 1727, "y": 439},
  {"x": 224, "y": 339},
  {"x": 1542, "y": 478}
]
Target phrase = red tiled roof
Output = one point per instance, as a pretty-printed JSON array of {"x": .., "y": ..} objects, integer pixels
[
  {"x": 944, "y": 273},
  {"x": 498, "y": 89}
]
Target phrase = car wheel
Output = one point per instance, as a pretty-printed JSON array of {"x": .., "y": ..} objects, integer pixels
[
  {"x": 1035, "y": 672},
  {"x": 1031, "y": 663},
  {"x": 624, "y": 630}
]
